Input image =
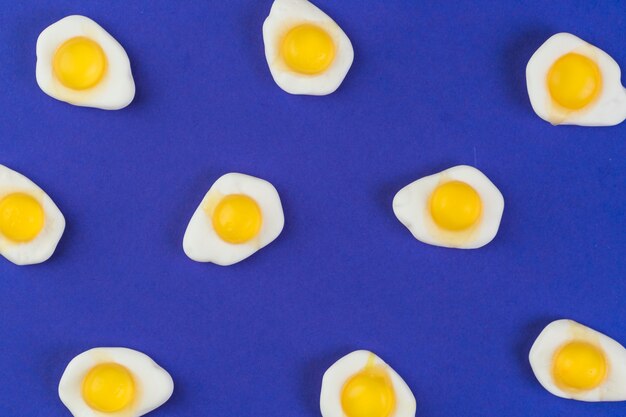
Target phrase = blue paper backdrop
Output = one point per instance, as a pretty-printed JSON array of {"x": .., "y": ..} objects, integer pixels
[{"x": 432, "y": 85}]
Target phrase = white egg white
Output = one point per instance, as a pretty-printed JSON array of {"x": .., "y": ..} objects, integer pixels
[
  {"x": 560, "y": 332},
  {"x": 42, "y": 247},
  {"x": 411, "y": 207},
  {"x": 153, "y": 385},
  {"x": 286, "y": 14},
  {"x": 338, "y": 374},
  {"x": 608, "y": 109},
  {"x": 116, "y": 90},
  {"x": 202, "y": 244}
]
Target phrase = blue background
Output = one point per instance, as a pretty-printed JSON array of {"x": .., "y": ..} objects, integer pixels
[{"x": 431, "y": 86}]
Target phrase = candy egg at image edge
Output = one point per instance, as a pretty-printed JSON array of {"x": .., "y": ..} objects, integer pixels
[
  {"x": 114, "y": 381},
  {"x": 572, "y": 82},
  {"x": 573, "y": 361},
  {"x": 31, "y": 225},
  {"x": 82, "y": 64},
  {"x": 306, "y": 51},
  {"x": 362, "y": 381},
  {"x": 239, "y": 215},
  {"x": 462, "y": 191}
]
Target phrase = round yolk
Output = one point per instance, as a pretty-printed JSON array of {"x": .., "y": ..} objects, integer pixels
[
  {"x": 308, "y": 49},
  {"x": 79, "y": 63},
  {"x": 455, "y": 206},
  {"x": 108, "y": 388},
  {"x": 368, "y": 393},
  {"x": 237, "y": 218},
  {"x": 579, "y": 366},
  {"x": 21, "y": 217},
  {"x": 574, "y": 81}
]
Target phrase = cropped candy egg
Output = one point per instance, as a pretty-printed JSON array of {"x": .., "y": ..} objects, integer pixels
[
  {"x": 456, "y": 208},
  {"x": 115, "y": 382},
  {"x": 239, "y": 215},
  {"x": 573, "y": 361},
  {"x": 31, "y": 225},
  {"x": 307, "y": 52},
  {"x": 362, "y": 385},
  {"x": 80, "y": 63},
  {"x": 572, "y": 82}
]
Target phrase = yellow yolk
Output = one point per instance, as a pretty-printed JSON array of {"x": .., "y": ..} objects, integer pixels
[
  {"x": 455, "y": 206},
  {"x": 237, "y": 218},
  {"x": 108, "y": 388},
  {"x": 21, "y": 217},
  {"x": 368, "y": 393},
  {"x": 79, "y": 63},
  {"x": 579, "y": 366},
  {"x": 308, "y": 49},
  {"x": 574, "y": 81}
]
